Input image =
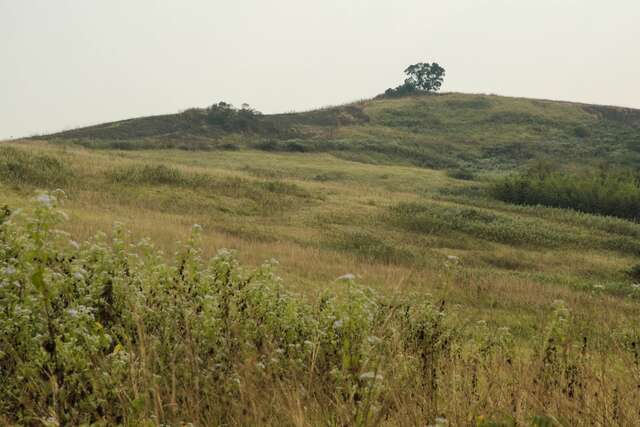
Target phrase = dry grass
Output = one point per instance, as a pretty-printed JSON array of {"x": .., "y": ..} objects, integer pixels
[{"x": 502, "y": 284}]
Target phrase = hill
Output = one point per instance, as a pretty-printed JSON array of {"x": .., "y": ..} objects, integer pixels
[
  {"x": 478, "y": 132},
  {"x": 407, "y": 287}
]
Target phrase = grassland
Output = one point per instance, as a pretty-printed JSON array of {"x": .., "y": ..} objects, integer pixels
[{"x": 370, "y": 190}]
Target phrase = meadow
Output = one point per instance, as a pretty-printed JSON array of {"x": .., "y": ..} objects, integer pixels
[{"x": 404, "y": 292}]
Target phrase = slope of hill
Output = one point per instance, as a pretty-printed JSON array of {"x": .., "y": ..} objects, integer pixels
[
  {"x": 540, "y": 304},
  {"x": 439, "y": 131}
]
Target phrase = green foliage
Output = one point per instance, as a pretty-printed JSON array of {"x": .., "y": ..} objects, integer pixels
[
  {"x": 400, "y": 91},
  {"x": 421, "y": 77},
  {"x": 445, "y": 131},
  {"x": 231, "y": 119},
  {"x": 107, "y": 331},
  {"x": 99, "y": 330},
  {"x": 441, "y": 220},
  {"x": 634, "y": 272},
  {"x": 18, "y": 167},
  {"x": 607, "y": 192},
  {"x": 425, "y": 76}
]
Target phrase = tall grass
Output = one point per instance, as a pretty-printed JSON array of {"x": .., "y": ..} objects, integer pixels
[
  {"x": 22, "y": 168},
  {"x": 614, "y": 193},
  {"x": 106, "y": 331}
]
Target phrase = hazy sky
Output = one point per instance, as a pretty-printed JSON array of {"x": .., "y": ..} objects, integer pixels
[{"x": 66, "y": 63}]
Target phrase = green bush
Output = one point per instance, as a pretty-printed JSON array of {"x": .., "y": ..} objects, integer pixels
[{"x": 614, "y": 193}]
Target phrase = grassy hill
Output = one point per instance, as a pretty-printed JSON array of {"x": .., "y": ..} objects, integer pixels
[
  {"x": 440, "y": 131},
  {"x": 374, "y": 190}
]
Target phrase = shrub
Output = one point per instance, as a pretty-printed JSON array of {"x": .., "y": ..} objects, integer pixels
[
  {"x": 615, "y": 193},
  {"x": 232, "y": 119},
  {"x": 634, "y": 272}
]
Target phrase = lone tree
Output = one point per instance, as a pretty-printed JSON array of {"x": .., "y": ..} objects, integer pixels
[
  {"x": 421, "y": 77},
  {"x": 425, "y": 76}
]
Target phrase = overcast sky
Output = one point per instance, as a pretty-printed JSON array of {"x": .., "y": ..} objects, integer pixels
[{"x": 69, "y": 63}]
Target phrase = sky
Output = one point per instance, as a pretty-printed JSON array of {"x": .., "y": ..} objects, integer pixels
[{"x": 71, "y": 63}]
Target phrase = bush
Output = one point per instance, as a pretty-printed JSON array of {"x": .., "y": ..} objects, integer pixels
[
  {"x": 231, "y": 119},
  {"x": 634, "y": 272},
  {"x": 615, "y": 193}
]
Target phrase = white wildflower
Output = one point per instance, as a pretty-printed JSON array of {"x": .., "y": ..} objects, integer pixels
[
  {"x": 337, "y": 324},
  {"x": 74, "y": 244},
  {"x": 260, "y": 365},
  {"x": 371, "y": 376},
  {"x": 45, "y": 199},
  {"x": 347, "y": 277},
  {"x": 373, "y": 340},
  {"x": 72, "y": 312},
  {"x": 10, "y": 270}
]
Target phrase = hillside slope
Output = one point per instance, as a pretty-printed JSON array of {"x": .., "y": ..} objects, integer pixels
[
  {"x": 456, "y": 302},
  {"x": 439, "y": 131}
]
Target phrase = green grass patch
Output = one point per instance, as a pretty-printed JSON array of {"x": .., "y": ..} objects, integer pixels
[{"x": 22, "y": 168}]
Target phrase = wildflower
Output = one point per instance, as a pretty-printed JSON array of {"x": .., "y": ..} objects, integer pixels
[
  {"x": 453, "y": 258},
  {"x": 45, "y": 199},
  {"x": 373, "y": 340},
  {"x": 72, "y": 312},
  {"x": 441, "y": 421},
  {"x": 74, "y": 244},
  {"x": 10, "y": 270},
  {"x": 260, "y": 365},
  {"x": 598, "y": 286},
  {"x": 78, "y": 276},
  {"x": 371, "y": 376},
  {"x": 346, "y": 277},
  {"x": 337, "y": 324}
]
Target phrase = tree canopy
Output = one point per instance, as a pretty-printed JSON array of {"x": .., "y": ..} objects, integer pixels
[{"x": 421, "y": 77}]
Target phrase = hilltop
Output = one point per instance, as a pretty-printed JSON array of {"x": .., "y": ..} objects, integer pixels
[{"x": 451, "y": 130}]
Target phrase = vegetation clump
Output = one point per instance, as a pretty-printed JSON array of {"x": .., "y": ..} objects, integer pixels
[
  {"x": 19, "y": 167},
  {"x": 107, "y": 332},
  {"x": 233, "y": 119},
  {"x": 607, "y": 192},
  {"x": 422, "y": 77}
]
